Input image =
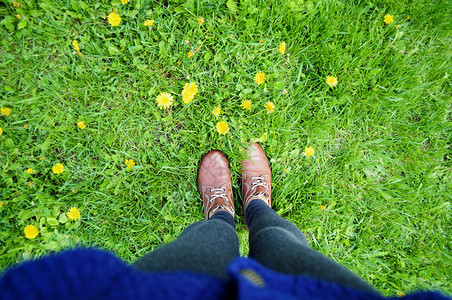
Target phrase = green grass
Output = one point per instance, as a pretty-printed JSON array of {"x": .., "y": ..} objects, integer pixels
[{"x": 382, "y": 136}]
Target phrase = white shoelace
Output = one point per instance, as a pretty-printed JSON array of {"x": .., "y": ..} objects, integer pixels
[
  {"x": 259, "y": 181},
  {"x": 219, "y": 193}
]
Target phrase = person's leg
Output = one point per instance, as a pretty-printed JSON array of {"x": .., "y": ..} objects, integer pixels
[
  {"x": 279, "y": 245},
  {"x": 275, "y": 242},
  {"x": 204, "y": 247}
]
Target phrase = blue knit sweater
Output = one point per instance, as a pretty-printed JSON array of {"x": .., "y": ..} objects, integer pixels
[{"x": 95, "y": 274}]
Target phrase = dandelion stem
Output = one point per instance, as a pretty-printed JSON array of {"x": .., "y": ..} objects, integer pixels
[
  {"x": 197, "y": 49},
  {"x": 169, "y": 113}
]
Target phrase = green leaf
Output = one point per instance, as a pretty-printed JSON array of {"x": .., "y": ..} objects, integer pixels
[
  {"x": 8, "y": 22},
  {"x": 112, "y": 50},
  {"x": 9, "y": 143},
  {"x": 72, "y": 225},
  {"x": 63, "y": 218},
  {"x": 207, "y": 56},
  {"x": 35, "y": 13},
  {"x": 279, "y": 85},
  {"x": 151, "y": 91},
  {"x": 142, "y": 67},
  {"x": 162, "y": 48},
  {"x": 116, "y": 158},
  {"x": 27, "y": 214},
  {"x": 295, "y": 153},
  {"x": 232, "y": 6},
  {"x": 250, "y": 23},
  {"x": 157, "y": 115},
  {"x": 56, "y": 211},
  {"x": 83, "y": 5},
  {"x": 52, "y": 221},
  {"x": 75, "y": 5},
  {"x": 132, "y": 13},
  {"x": 247, "y": 91},
  {"x": 52, "y": 246},
  {"x": 45, "y": 146},
  {"x": 117, "y": 188},
  {"x": 22, "y": 24}
]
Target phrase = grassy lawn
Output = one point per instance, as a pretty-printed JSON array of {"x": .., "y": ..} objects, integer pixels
[{"x": 375, "y": 195}]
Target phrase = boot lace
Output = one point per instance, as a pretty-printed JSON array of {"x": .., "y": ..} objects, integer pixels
[
  {"x": 259, "y": 182},
  {"x": 220, "y": 193}
]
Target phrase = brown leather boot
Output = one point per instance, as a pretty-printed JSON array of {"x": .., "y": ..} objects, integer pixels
[
  {"x": 256, "y": 176},
  {"x": 214, "y": 184}
]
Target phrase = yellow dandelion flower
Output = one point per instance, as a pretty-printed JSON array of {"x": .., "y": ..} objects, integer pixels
[
  {"x": 190, "y": 54},
  {"x": 31, "y": 231},
  {"x": 73, "y": 213},
  {"x": 246, "y": 104},
  {"x": 129, "y": 164},
  {"x": 164, "y": 100},
  {"x": 388, "y": 19},
  {"x": 282, "y": 48},
  {"x": 114, "y": 19},
  {"x": 189, "y": 92},
  {"x": 261, "y": 41},
  {"x": 124, "y": 1},
  {"x": 1, "y": 204},
  {"x": 216, "y": 111},
  {"x": 259, "y": 78},
  {"x": 6, "y": 111},
  {"x": 58, "y": 168},
  {"x": 76, "y": 45},
  {"x": 16, "y": 4},
  {"x": 222, "y": 127},
  {"x": 30, "y": 171},
  {"x": 81, "y": 125},
  {"x": 1, "y": 131},
  {"x": 18, "y": 16},
  {"x": 148, "y": 22},
  {"x": 200, "y": 20},
  {"x": 408, "y": 17},
  {"x": 26, "y": 126},
  {"x": 187, "y": 97},
  {"x": 191, "y": 88},
  {"x": 321, "y": 207},
  {"x": 401, "y": 294},
  {"x": 41, "y": 158},
  {"x": 31, "y": 184},
  {"x": 331, "y": 81},
  {"x": 308, "y": 151},
  {"x": 269, "y": 107}
]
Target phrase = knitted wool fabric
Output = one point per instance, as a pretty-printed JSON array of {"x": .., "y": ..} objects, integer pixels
[{"x": 95, "y": 274}]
